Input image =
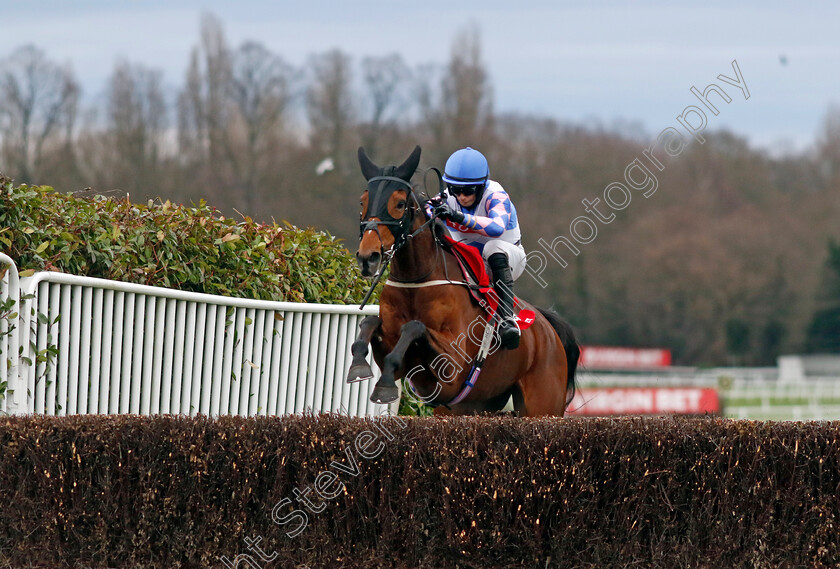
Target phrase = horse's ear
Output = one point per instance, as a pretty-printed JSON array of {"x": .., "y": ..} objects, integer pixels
[
  {"x": 407, "y": 168},
  {"x": 369, "y": 169}
]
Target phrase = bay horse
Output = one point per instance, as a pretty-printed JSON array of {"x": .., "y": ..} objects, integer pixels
[{"x": 430, "y": 327}]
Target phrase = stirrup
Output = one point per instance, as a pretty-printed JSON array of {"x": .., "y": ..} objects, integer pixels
[{"x": 509, "y": 333}]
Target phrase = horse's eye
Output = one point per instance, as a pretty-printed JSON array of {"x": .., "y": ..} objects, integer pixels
[{"x": 401, "y": 205}]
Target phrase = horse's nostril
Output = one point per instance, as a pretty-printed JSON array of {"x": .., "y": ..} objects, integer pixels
[{"x": 374, "y": 258}]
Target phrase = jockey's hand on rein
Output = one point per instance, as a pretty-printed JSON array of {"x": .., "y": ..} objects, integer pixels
[
  {"x": 436, "y": 200},
  {"x": 443, "y": 211}
]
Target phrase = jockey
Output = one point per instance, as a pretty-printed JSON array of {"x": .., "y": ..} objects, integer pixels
[{"x": 479, "y": 213}]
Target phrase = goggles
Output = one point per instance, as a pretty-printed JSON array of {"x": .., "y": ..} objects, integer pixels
[{"x": 464, "y": 190}]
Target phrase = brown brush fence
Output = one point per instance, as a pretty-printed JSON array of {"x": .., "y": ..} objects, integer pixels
[{"x": 131, "y": 491}]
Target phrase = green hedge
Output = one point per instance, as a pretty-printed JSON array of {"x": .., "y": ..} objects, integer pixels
[
  {"x": 130, "y": 491},
  {"x": 161, "y": 244}
]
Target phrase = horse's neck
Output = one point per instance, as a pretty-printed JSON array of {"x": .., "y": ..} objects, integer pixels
[
  {"x": 414, "y": 259},
  {"x": 422, "y": 258}
]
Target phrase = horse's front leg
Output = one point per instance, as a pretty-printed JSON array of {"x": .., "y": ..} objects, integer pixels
[
  {"x": 359, "y": 368},
  {"x": 386, "y": 390}
]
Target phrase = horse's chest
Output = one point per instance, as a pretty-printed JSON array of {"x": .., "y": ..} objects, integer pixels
[
  {"x": 393, "y": 319},
  {"x": 441, "y": 318}
]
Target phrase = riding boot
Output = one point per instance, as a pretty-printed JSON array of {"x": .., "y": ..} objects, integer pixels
[{"x": 503, "y": 285}]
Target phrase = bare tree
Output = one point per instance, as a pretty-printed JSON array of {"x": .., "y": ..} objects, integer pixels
[
  {"x": 385, "y": 78},
  {"x": 136, "y": 124},
  {"x": 456, "y": 101},
  {"x": 829, "y": 144},
  {"x": 38, "y": 100},
  {"x": 192, "y": 128},
  {"x": 467, "y": 94},
  {"x": 260, "y": 90},
  {"x": 231, "y": 115},
  {"x": 431, "y": 110},
  {"x": 330, "y": 103},
  {"x": 203, "y": 104}
]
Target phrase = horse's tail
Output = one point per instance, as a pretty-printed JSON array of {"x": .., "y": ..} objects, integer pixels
[{"x": 570, "y": 345}]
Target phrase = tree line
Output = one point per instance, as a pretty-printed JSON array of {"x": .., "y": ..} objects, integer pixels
[{"x": 730, "y": 262}]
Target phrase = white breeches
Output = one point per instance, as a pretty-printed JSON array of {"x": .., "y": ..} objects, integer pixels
[{"x": 514, "y": 253}]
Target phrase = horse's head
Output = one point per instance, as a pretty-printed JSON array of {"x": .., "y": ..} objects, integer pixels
[{"x": 388, "y": 207}]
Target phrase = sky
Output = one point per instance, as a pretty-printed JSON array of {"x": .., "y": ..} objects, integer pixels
[{"x": 579, "y": 62}]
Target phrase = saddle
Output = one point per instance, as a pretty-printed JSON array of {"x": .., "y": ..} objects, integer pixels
[{"x": 475, "y": 274}]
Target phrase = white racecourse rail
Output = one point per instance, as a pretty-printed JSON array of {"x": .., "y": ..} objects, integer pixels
[{"x": 129, "y": 348}]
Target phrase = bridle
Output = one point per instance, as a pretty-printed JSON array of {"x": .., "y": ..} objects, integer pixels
[
  {"x": 378, "y": 207},
  {"x": 399, "y": 227}
]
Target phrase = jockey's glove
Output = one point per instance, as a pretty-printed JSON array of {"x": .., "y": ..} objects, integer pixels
[
  {"x": 443, "y": 211},
  {"x": 437, "y": 200}
]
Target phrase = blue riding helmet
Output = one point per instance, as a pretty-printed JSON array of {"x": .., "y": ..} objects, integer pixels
[{"x": 467, "y": 167}]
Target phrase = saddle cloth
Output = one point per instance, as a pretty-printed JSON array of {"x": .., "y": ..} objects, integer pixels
[{"x": 475, "y": 272}]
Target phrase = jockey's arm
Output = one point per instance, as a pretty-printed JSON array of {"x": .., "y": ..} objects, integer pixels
[{"x": 497, "y": 219}]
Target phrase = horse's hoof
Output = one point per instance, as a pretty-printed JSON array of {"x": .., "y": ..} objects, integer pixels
[
  {"x": 359, "y": 372},
  {"x": 384, "y": 394}
]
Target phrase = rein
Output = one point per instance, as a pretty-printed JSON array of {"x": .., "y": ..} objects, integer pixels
[
  {"x": 401, "y": 284},
  {"x": 401, "y": 237},
  {"x": 389, "y": 254}
]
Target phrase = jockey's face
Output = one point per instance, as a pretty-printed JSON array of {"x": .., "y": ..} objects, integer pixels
[
  {"x": 466, "y": 201},
  {"x": 466, "y": 195}
]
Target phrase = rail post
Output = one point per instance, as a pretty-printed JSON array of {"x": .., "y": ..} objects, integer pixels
[{"x": 16, "y": 399}]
